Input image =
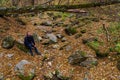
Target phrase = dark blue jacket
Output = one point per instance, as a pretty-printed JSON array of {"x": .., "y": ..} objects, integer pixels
[{"x": 29, "y": 40}]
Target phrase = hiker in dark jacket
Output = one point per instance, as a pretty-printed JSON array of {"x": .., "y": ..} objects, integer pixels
[{"x": 30, "y": 43}]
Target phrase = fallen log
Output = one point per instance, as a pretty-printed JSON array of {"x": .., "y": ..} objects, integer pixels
[{"x": 63, "y": 8}]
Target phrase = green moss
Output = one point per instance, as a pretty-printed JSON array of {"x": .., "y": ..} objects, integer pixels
[
  {"x": 117, "y": 47},
  {"x": 71, "y": 31},
  {"x": 83, "y": 54},
  {"x": 29, "y": 77},
  {"x": 94, "y": 45},
  {"x": 22, "y": 47}
]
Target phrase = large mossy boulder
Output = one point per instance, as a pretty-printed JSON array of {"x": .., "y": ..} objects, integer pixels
[
  {"x": 8, "y": 42},
  {"x": 77, "y": 57},
  {"x": 25, "y": 70},
  {"x": 97, "y": 46}
]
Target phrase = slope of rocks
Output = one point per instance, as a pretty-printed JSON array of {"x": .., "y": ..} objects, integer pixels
[{"x": 68, "y": 42}]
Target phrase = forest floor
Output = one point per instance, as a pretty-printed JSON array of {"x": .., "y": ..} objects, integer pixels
[{"x": 92, "y": 24}]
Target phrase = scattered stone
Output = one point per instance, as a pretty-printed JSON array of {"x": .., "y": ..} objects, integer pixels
[
  {"x": 20, "y": 65},
  {"x": 56, "y": 75},
  {"x": 68, "y": 48},
  {"x": 59, "y": 36},
  {"x": 47, "y": 23},
  {"x": 8, "y": 42},
  {"x": 55, "y": 46},
  {"x": 63, "y": 39},
  {"x": 10, "y": 55},
  {"x": 58, "y": 24},
  {"x": 77, "y": 57},
  {"x": 50, "y": 64},
  {"x": 52, "y": 37},
  {"x": 88, "y": 40},
  {"x": 90, "y": 62},
  {"x": 36, "y": 37}
]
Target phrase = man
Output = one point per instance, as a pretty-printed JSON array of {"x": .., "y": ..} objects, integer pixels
[{"x": 30, "y": 43}]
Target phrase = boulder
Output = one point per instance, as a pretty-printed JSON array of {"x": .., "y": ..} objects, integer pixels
[
  {"x": 90, "y": 62},
  {"x": 77, "y": 57},
  {"x": 36, "y": 37},
  {"x": 25, "y": 70},
  {"x": 96, "y": 45},
  {"x": 21, "y": 64},
  {"x": 52, "y": 37},
  {"x": 8, "y": 42}
]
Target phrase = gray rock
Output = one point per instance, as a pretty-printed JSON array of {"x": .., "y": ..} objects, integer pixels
[
  {"x": 77, "y": 57},
  {"x": 52, "y": 37},
  {"x": 20, "y": 65},
  {"x": 10, "y": 55},
  {"x": 63, "y": 39},
  {"x": 59, "y": 36},
  {"x": 90, "y": 62},
  {"x": 50, "y": 64},
  {"x": 68, "y": 48},
  {"x": 36, "y": 37},
  {"x": 88, "y": 40},
  {"x": 46, "y": 23},
  {"x": 7, "y": 42},
  {"x": 55, "y": 46}
]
